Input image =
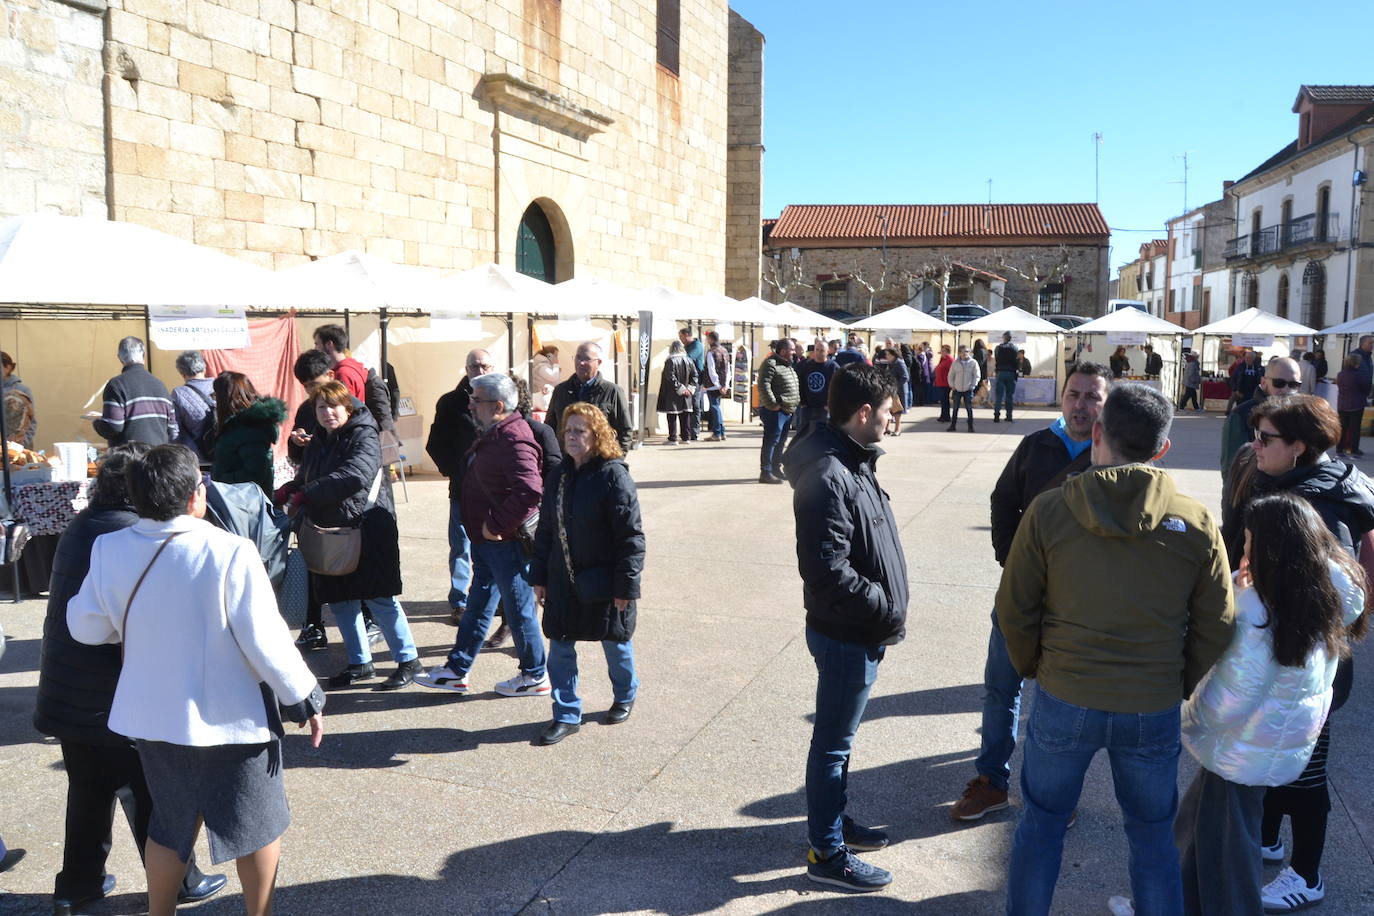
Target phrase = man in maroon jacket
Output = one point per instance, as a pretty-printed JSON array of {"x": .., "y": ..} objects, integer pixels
[{"x": 500, "y": 493}]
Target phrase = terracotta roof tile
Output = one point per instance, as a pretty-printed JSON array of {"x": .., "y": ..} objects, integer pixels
[
  {"x": 1350, "y": 95},
  {"x": 938, "y": 221}
]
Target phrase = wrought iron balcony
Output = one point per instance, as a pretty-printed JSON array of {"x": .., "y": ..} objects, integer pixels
[{"x": 1304, "y": 230}]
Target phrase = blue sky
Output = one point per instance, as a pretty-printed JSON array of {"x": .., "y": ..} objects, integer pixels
[{"x": 922, "y": 101}]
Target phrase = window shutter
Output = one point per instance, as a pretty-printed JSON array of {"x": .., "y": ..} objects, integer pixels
[{"x": 669, "y": 32}]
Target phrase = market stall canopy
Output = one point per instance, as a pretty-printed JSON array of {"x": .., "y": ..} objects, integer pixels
[
  {"x": 496, "y": 288},
  {"x": 593, "y": 296},
  {"x": 673, "y": 305},
  {"x": 357, "y": 281},
  {"x": 1362, "y": 325},
  {"x": 906, "y": 318},
  {"x": 1256, "y": 321},
  {"x": 1129, "y": 321},
  {"x": 800, "y": 316},
  {"x": 75, "y": 260},
  {"x": 1010, "y": 318}
]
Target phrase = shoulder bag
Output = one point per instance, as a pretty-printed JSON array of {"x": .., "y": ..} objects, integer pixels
[
  {"x": 335, "y": 551},
  {"x": 124, "y": 623}
]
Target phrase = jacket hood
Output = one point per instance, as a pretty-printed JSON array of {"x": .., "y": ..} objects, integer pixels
[
  {"x": 1119, "y": 502},
  {"x": 262, "y": 412},
  {"x": 821, "y": 442},
  {"x": 1328, "y": 479}
]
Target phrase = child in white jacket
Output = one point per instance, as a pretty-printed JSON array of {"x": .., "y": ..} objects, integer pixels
[{"x": 1255, "y": 718}]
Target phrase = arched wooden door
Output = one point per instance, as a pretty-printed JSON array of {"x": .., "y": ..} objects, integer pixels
[{"x": 534, "y": 248}]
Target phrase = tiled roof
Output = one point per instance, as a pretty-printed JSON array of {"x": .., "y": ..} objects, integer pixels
[
  {"x": 1360, "y": 118},
  {"x": 938, "y": 221},
  {"x": 1349, "y": 95}
]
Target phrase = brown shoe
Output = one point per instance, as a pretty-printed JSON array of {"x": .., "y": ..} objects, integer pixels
[
  {"x": 498, "y": 639},
  {"x": 980, "y": 797}
]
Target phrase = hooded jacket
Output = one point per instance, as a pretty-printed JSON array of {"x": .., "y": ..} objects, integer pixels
[
  {"x": 1253, "y": 721},
  {"x": 853, "y": 572},
  {"x": 964, "y": 375},
  {"x": 778, "y": 385},
  {"x": 243, "y": 447},
  {"x": 1116, "y": 594}
]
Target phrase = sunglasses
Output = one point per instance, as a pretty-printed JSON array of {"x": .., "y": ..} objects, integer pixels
[
  {"x": 1263, "y": 438},
  {"x": 1282, "y": 383}
]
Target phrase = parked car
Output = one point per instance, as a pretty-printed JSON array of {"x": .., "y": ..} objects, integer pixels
[
  {"x": 959, "y": 313},
  {"x": 1067, "y": 322},
  {"x": 1115, "y": 304}
]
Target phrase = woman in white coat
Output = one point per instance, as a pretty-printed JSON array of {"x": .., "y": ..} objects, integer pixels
[
  {"x": 1254, "y": 720},
  {"x": 207, "y": 660}
]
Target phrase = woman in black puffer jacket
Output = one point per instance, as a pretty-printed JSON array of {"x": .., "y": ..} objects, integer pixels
[
  {"x": 342, "y": 483},
  {"x": 76, "y": 685},
  {"x": 588, "y": 556}
]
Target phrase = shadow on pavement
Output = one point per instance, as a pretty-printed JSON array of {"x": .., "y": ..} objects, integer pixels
[
  {"x": 675, "y": 484},
  {"x": 937, "y": 701}
]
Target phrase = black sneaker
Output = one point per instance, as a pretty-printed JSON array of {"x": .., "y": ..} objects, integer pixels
[
  {"x": 864, "y": 839},
  {"x": 846, "y": 870},
  {"x": 352, "y": 674},
  {"x": 312, "y": 637}
]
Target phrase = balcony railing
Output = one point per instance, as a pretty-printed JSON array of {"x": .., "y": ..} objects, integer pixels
[{"x": 1304, "y": 230}]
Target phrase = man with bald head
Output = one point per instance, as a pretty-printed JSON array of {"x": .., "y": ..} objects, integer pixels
[
  {"x": 1282, "y": 377},
  {"x": 450, "y": 436},
  {"x": 586, "y": 384}
]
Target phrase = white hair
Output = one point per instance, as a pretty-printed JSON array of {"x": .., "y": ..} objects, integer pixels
[
  {"x": 131, "y": 351},
  {"x": 497, "y": 387}
]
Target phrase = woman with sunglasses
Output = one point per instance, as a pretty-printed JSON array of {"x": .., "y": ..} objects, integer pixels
[{"x": 1292, "y": 436}]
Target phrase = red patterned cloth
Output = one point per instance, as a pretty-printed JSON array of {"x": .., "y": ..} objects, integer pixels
[
  {"x": 267, "y": 361},
  {"x": 47, "y": 507}
]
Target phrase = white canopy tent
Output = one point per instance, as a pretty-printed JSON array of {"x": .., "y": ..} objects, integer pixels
[
  {"x": 1133, "y": 329},
  {"x": 902, "y": 318},
  {"x": 1349, "y": 333},
  {"x": 1253, "y": 328},
  {"x": 1040, "y": 339}
]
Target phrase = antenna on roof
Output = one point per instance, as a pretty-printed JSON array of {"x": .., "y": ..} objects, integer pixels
[
  {"x": 1184, "y": 182},
  {"x": 989, "y": 192},
  {"x": 1097, "y": 172}
]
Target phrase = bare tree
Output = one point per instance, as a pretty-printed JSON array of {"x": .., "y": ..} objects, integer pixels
[
  {"x": 1037, "y": 268},
  {"x": 784, "y": 271},
  {"x": 937, "y": 271}
]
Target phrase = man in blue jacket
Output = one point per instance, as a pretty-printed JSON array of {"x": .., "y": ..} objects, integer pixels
[{"x": 854, "y": 587}]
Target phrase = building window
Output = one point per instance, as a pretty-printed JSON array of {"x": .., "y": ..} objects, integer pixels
[
  {"x": 1171, "y": 301},
  {"x": 1249, "y": 292},
  {"x": 835, "y": 296},
  {"x": 1314, "y": 296},
  {"x": 534, "y": 247},
  {"x": 1323, "y": 226},
  {"x": 1281, "y": 302},
  {"x": 669, "y": 34},
  {"x": 1052, "y": 299}
]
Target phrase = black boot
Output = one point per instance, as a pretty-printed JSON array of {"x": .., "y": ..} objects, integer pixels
[
  {"x": 970, "y": 426},
  {"x": 950, "y": 428},
  {"x": 351, "y": 675}
]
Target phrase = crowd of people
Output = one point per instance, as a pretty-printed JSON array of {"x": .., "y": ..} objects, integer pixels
[{"x": 1148, "y": 626}]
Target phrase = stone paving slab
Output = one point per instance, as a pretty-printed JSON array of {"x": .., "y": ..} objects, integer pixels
[{"x": 425, "y": 802}]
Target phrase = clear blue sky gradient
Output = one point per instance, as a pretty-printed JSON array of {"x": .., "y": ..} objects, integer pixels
[{"x": 908, "y": 101}]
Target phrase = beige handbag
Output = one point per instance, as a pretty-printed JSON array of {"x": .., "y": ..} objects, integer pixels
[{"x": 335, "y": 551}]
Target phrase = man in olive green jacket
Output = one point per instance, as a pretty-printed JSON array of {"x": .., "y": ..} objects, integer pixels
[
  {"x": 1116, "y": 596},
  {"x": 779, "y": 395}
]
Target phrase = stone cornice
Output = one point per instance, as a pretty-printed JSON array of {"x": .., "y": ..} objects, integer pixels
[
  {"x": 86, "y": 6},
  {"x": 511, "y": 94}
]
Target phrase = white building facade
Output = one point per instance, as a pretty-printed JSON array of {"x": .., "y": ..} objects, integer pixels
[{"x": 1299, "y": 216}]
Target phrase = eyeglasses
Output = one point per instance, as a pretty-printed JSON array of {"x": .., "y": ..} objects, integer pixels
[
  {"x": 1282, "y": 383},
  {"x": 483, "y": 400},
  {"x": 1263, "y": 438}
]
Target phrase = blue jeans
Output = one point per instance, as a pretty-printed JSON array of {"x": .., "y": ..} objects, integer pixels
[
  {"x": 389, "y": 616},
  {"x": 620, "y": 665},
  {"x": 500, "y": 570},
  {"x": 1143, "y": 750},
  {"x": 459, "y": 558},
  {"x": 717, "y": 415},
  {"x": 1001, "y": 711},
  {"x": 774, "y": 439},
  {"x": 961, "y": 397},
  {"x": 1005, "y": 392},
  {"x": 845, "y": 674}
]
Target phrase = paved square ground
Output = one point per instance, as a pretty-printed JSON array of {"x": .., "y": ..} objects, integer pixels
[{"x": 428, "y": 803}]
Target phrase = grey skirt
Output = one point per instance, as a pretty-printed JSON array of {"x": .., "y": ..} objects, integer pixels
[{"x": 236, "y": 788}]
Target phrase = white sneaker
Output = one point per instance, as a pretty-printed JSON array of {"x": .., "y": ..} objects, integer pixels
[
  {"x": 443, "y": 679},
  {"x": 1289, "y": 892},
  {"x": 1273, "y": 853},
  {"x": 522, "y": 685},
  {"x": 1120, "y": 906}
]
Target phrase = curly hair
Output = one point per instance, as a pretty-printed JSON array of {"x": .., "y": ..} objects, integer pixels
[{"x": 604, "y": 444}]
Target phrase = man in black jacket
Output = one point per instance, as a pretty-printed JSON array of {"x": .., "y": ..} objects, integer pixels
[
  {"x": 1006, "y": 363},
  {"x": 76, "y": 686},
  {"x": 586, "y": 384},
  {"x": 854, "y": 587},
  {"x": 1043, "y": 461},
  {"x": 450, "y": 436}
]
